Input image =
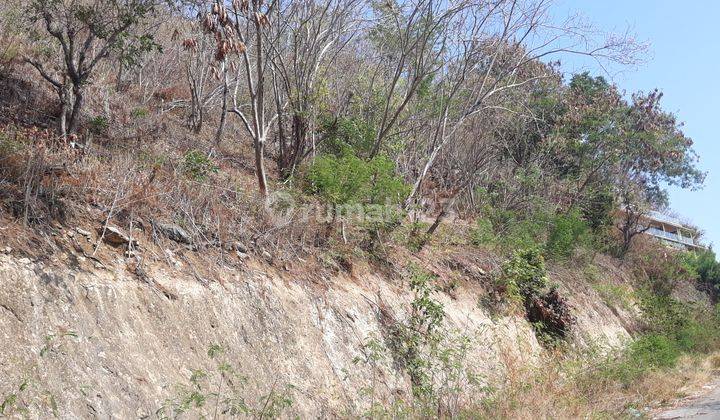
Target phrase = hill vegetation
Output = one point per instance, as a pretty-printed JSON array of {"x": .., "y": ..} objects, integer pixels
[{"x": 345, "y": 129}]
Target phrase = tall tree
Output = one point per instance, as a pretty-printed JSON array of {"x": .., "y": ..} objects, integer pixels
[{"x": 316, "y": 32}]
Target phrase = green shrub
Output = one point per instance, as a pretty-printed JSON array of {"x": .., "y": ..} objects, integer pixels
[
  {"x": 524, "y": 273},
  {"x": 704, "y": 266},
  {"x": 348, "y": 180},
  {"x": 98, "y": 124},
  {"x": 198, "y": 165},
  {"x": 653, "y": 351},
  {"x": 10, "y": 144},
  {"x": 347, "y": 133},
  {"x": 692, "y": 327},
  {"x": 139, "y": 113},
  {"x": 482, "y": 233},
  {"x": 568, "y": 231}
]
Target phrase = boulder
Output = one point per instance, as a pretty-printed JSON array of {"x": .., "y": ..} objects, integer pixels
[
  {"x": 174, "y": 232},
  {"x": 115, "y": 237},
  {"x": 83, "y": 232}
]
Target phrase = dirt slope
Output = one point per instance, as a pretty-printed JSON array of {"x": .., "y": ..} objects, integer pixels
[{"x": 99, "y": 342}]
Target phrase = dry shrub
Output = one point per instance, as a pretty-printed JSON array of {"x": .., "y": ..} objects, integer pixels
[
  {"x": 11, "y": 41},
  {"x": 658, "y": 265},
  {"x": 170, "y": 93},
  {"x": 152, "y": 184},
  {"x": 35, "y": 172}
]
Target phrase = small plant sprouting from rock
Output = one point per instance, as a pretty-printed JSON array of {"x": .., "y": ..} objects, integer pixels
[
  {"x": 221, "y": 392},
  {"x": 31, "y": 397},
  {"x": 434, "y": 358}
]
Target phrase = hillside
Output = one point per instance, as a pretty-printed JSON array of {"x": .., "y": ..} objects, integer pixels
[
  {"x": 95, "y": 336},
  {"x": 100, "y": 341},
  {"x": 337, "y": 209}
]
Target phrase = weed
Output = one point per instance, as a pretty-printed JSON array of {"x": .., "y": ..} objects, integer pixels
[
  {"x": 434, "y": 358},
  {"x": 98, "y": 125},
  {"x": 482, "y": 233},
  {"x": 30, "y": 393},
  {"x": 615, "y": 295},
  {"x": 139, "y": 113},
  {"x": 198, "y": 166},
  {"x": 220, "y": 391}
]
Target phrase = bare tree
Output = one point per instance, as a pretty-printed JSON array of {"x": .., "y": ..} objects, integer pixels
[
  {"x": 87, "y": 32},
  {"x": 201, "y": 68},
  {"x": 244, "y": 28},
  {"x": 410, "y": 40},
  {"x": 304, "y": 53}
]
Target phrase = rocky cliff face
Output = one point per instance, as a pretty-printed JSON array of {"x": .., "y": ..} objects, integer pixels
[{"x": 99, "y": 342}]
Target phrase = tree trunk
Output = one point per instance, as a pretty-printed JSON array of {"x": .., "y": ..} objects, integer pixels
[
  {"x": 223, "y": 115},
  {"x": 300, "y": 129},
  {"x": 196, "y": 116},
  {"x": 65, "y": 96},
  {"x": 76, "y": 107},
  {"x": 64, "y": 111},
  {"x": 440, "y": 217},
  {"x": 260, "y": 166}
]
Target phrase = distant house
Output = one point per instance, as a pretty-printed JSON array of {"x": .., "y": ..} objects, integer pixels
[{"x": 671, "y": 231}]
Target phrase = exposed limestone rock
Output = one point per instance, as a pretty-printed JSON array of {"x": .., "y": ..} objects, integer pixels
[
  {"x": 83, "y": 232},
  {"x": 174, "y": 233},
  {"x": 120, "y": 346}
]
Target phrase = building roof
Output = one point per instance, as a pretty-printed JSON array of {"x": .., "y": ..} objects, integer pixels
[{"x": 663, "y": 218}]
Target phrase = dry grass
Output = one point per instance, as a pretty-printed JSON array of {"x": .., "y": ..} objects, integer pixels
[{"x": 570, "y": 387}]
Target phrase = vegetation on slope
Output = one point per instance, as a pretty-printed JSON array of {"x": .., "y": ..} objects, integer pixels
[{"x": 382, "y": 121}]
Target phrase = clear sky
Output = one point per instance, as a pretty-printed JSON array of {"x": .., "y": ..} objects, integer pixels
[{"x": 684, "y": 63}]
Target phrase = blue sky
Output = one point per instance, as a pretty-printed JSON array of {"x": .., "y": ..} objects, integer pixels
[{"x": 684, "y": 63}]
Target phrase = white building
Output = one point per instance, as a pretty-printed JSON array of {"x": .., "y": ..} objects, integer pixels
[{"x": 671, "y": 232}]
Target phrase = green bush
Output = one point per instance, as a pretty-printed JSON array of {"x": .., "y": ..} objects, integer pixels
[
  {"x": 704, "y": 266},
  {"x": 98, "y": 124},
  {"x": 509, "y": 231},
  {"x": 692, "y": 327},
  {"x": 139, "y": 113},
  {"x": 345, "y": 133},
  {"x": 482, "y": 233},
  {"x": 198, "y": 165},
  {"x": 568, "y": 231},
  {"x": 10, "y": 144},
  {"x": 653, "y": 351},
  {"x": 524, "y": 273},
  {"x": 350, "y": 180}
]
